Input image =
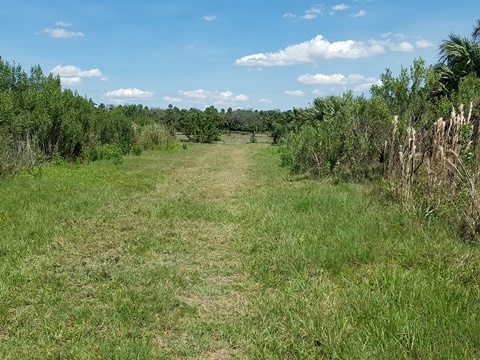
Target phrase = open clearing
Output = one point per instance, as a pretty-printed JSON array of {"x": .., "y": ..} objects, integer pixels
[{"x": 216, "y": 252}]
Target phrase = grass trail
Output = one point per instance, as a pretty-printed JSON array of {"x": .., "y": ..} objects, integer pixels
[
  {"x": 215, "y": 252},
  {"x": 133, "y": 261}
]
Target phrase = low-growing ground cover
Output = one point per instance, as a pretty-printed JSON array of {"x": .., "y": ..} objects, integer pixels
[{"x": 216, "y": 252}]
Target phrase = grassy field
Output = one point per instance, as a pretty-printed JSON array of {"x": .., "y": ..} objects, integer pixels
[{"x": 216, "y": 252}]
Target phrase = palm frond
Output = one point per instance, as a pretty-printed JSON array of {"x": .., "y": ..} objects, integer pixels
[{"x": 476, "y": 32}]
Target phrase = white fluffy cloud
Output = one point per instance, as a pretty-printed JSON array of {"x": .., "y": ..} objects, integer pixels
[
  {"x": 313, "y": 50},
  {"x": 62, "y": 33},
  {"x": 340, "y": 7},
  {"x": 63, "y": 24},
  {"x": 362, "y": 83},
  {"x": 172, "y": 100},
  {"x": 206, "y": 97},
  {"x": 423, "y": 44},
  {"x": 402, "y": 47},
  {"x": 309, "y": 14},
  {"x": 210, "y": 17},
  {"x": 122, "y": 96},
  {"x": 312, "y": 13},
  {"x": 71, "y": 81},
  {"x": 295, "y": 92},
  {"x": 360, "y": 13},
  {"x": 319, "y": 48},
  {"x": 72, "y": 75}
]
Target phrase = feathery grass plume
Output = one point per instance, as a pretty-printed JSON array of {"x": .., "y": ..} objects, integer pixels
[
  {"x": 470, "y": 225},
  {"x": 407, "y": 155},
  {"x": 393, "y": 146}
]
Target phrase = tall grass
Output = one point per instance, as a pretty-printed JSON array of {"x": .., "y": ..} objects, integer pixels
[
  {"x": 437, "y": 169},
  {"x": 345, "y": 276},
  {"x": 218, "y": 252}
]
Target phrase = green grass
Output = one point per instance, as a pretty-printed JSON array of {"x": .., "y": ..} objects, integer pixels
[
  {"x": 214, "y": 252},
  {"x": 345, "y": 276}
]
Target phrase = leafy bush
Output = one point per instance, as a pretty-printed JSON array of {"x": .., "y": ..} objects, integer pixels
[
  {"x": 341, "y": 135},
  {"x": 137, "y": 150},
  {"x": 107, "y": 152},
  {"x": 201, "y": 126}
]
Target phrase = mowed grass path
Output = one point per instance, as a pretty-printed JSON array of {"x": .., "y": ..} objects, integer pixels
[{"x": 216, "y": 252}]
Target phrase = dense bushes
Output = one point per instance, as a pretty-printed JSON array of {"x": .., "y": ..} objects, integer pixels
[
  {"x": 338, "y": 135},
  {"x": 40, "y": 121},
  {"x": 425, "y": 146}
]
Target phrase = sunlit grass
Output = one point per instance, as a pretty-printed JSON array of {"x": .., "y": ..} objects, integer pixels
[
  {"x": 346, "y": 276},
  {"x": 214, "y": 251}
]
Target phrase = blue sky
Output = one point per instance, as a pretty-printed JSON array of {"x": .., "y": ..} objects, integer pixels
[{"x": 240, "y": 54}]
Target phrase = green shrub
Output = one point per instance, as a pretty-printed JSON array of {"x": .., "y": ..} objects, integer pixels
[
  {"x": 137, "y": 150},
  {"x": 338, "y": 135},
  {"x": 107, "y": 152}
]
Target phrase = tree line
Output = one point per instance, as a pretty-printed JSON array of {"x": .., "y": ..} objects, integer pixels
[{"x": 40, "y": 121}]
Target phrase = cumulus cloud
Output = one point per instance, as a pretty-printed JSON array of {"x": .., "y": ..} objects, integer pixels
[
  {"x": 206, "y": 97},
  {"x": 62, "y": 33},
  {"x": 402, "y": 47},
  {"x": 122, "y": 96},
  {"x": 172, "y": 100},
  {"x": 72, "y": 75},
  {"x": 423, "y": 44},
  {"x": 210, "y": 17},
  {"x": 265, "y": 101},
  {"x": 63, "y": 24},
  {"x": 361, "y": 82},
  {"x": 199, "y": 94},
  {"x": 340, "y": 7},
  {"x": 309, "y": 14},
  {"x": 319, "y": 48},
  {"x": 312, "y": 13},
  {"x": 311, "y": 51},
  {"x": 71, "y": 81},
  {"x": 360, "y": 14},
  {"x": 295, "y": 92}
]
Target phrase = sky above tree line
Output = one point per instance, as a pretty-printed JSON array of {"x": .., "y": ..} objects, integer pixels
[{"x": 239, "y": 54}]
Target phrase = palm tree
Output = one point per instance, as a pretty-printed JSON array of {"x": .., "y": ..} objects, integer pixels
[
  {"x": 459, "y": 57},
  {"x": 476, "y": 31}
]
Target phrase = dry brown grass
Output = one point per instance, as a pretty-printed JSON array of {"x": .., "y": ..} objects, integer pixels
[{"x": 445, "y": 160}]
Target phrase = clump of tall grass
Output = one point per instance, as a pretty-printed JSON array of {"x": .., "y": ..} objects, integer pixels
[
  {"x": 439, "y": 168},
  {"x": 17, "y": 155},
  {"x": 154, "y": 136}
]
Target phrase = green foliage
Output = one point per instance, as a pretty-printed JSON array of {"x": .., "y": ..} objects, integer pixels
[
  {"x": 201, "y": 126},
  {"x": 137, "y": 150},
  {"x": 114, "y": 127},
  {"x": 407, "y": 95},
  {"x": 459, "y": 58},
  {"x": 341, "y": 135},
  {"x": 107, "y": 152}
]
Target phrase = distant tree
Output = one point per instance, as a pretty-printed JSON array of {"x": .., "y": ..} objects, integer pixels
[{"x": 201, "y": 126}]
